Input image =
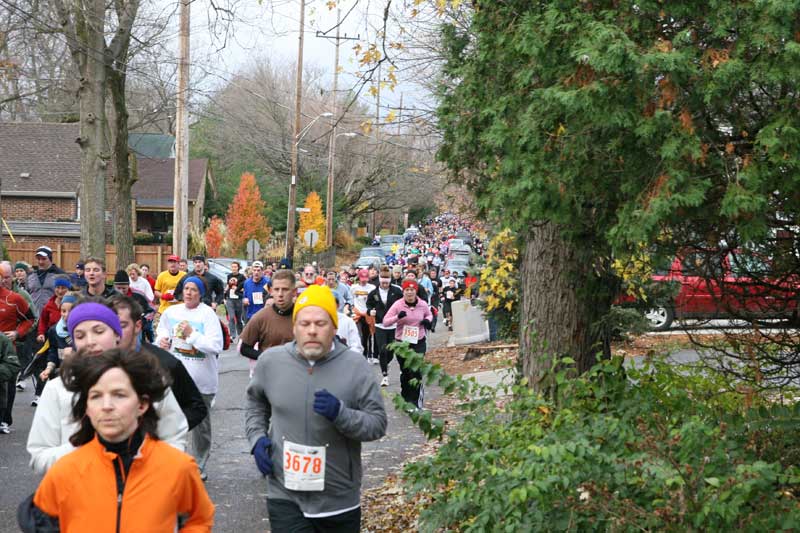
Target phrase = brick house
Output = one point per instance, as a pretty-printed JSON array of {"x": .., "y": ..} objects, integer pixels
[{"x": 40, "y": 183}]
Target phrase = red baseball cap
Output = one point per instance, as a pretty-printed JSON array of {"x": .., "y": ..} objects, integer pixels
[{"x": 173, "y": 258}]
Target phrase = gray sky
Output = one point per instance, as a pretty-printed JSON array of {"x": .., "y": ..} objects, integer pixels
[{"x": 271, "y": 30}]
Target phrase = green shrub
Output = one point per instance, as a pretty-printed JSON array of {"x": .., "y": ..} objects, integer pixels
[
  {"x": 656, "y": 449},
  {"x": 143, "y": 237}
]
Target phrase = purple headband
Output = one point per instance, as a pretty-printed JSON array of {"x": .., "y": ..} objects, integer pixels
[{"x": 93, "y": 311}]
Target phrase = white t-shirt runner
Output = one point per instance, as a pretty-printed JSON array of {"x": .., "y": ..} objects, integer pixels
[{"x": 360, "y": 293}]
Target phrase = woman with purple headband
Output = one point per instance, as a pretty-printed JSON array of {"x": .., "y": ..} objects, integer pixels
[{"x": 94, "y": 328}]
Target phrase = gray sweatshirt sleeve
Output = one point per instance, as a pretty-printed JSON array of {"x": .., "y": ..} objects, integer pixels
[
  {"x": 258, "y": 410},
  {"x": 367, "y": 420}
]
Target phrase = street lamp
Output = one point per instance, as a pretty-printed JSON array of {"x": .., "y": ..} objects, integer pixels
[
  {"x": 329, "y": 197},
  {"x": 290, "y": 217}
]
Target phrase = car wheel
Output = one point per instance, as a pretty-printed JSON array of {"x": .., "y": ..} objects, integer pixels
[{"x": 660, "y": 318}]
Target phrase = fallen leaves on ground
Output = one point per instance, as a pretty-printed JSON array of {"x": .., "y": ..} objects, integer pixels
[
  {"x": 649, "y": 344},
  {"x": 451, "y": 359}
]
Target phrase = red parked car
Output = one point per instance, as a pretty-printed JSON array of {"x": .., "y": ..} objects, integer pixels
[{"x": 716, "y": 284}]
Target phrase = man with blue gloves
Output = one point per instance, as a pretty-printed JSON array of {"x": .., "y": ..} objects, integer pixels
[{"x": 310, "y": 405}]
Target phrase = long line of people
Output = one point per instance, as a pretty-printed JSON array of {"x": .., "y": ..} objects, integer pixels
[{"x": 126, "y": 376}]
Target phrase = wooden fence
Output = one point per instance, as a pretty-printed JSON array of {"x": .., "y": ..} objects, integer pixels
[{"x": 66, "y": 255}]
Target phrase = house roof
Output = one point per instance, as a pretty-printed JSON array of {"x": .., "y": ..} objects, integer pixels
[
  {"x": 47, "y": 152},
  {"x": 156, "y": 184},
  {"x": 45, "y": 229},
  {"x": 153, "y": 145}
]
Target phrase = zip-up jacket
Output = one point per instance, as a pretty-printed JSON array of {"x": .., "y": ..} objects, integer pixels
[
  {"x": 41, "y": 284},
  {"x": 415, "y": 314},
  {"x": 89, "y": 490},
  {"x": 374, "y": 302},
  {"x": 280, "y": 400},
  {"x": 14, "y": 313},
  {"x": 52, "y": 425}
]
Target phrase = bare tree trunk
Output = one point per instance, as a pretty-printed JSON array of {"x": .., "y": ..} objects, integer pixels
[
  {"x": 94, "y": 155},
  {"x": 557, "y": 275},
  {"x": 123, "y": 177}
]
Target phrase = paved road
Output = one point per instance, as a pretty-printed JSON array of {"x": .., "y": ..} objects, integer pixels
[{"x": 234, "y": 483}]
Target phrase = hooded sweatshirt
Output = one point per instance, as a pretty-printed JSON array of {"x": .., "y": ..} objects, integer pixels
[{"x": 279, "y": 404}]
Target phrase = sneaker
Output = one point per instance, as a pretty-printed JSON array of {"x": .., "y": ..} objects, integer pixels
[
  {"x": 203, "y": 476},
  {"x": 385, "y": 381},
  {"x": 375, "y": 361},
  {"x": 20, "y": 385},
  {"x": 35, "y": 401},
  {"x": 4, "y": 428}
]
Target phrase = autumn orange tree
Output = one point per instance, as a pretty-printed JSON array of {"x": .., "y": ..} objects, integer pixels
[
  {"x": 214, "y": 236},
  {"x": 313, "y": 219},
  {"x": 245, "y": 218}
]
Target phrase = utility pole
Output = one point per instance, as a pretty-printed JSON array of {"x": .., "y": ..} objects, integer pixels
[
  {"x": 377, "y": 139},
  {"x": 180, "y": 220},
  {"x": 329, "y": 199},
  {"x": 295, "y": 138},
  {"x": 400, "y": 114}
]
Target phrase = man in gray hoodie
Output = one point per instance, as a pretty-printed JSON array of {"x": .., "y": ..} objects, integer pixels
[{"x": 310, "y": 405}]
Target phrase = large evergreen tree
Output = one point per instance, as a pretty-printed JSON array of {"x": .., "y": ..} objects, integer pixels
[{"x": 592, "y": 127}]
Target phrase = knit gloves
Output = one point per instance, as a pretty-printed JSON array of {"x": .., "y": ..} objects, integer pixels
[
  {"x": 326, "y": 404},
  {"x": 261, "y": 453}
]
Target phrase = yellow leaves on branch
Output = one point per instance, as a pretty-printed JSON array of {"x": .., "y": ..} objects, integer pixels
[
  {"x": 636, "y": 271},
  {"x": 313, "y": 220},
  {"x": 331, "y": 5},
  {"x": 499, "y": 278},
  {"x": 391, "y": 116},
  {"x": 371, "y": 55},
  {"x": 366, "y": 127}
]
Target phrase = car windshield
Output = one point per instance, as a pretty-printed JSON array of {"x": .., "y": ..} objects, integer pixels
[
  {"x": 386, "y": 239},
  {"x": 371, "y": 252}
]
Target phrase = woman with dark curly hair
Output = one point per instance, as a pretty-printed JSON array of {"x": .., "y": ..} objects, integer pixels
[{"x": 122, "y": 477}]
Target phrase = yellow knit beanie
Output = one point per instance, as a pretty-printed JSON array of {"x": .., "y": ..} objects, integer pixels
[{"x": 320, "y": 296}]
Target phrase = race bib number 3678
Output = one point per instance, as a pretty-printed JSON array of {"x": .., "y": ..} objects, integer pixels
[{"x": 303, "y": 467}]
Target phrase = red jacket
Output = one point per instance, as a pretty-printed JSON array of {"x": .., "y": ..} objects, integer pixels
[
  {"x": 81, "y": 490},
  {"x": 15, "y": 314},
  {"x": 50, "y": 316}
]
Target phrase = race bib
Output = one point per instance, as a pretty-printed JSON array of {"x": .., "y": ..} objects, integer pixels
[
  {"x": 410, "y": 334},
  {"x": 233, "y": 295},
  {"x": 303, "y": 467},
  {"x": 258, "y": 298}
]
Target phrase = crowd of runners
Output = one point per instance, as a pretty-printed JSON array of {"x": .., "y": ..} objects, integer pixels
[{"x": 126, "y": 375}]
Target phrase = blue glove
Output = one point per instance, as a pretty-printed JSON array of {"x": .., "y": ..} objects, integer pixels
[
  {"x": 326, "y": 404},
  {"x": 261, "y": 453}
]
